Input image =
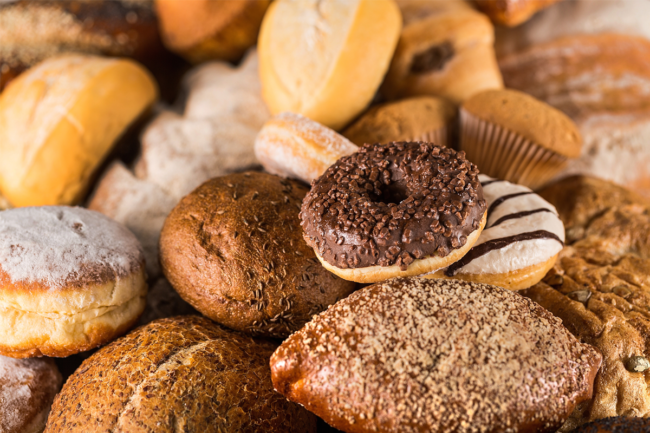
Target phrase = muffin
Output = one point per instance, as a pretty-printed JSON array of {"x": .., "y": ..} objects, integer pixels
[
  {"x": 515, "y": 137},
  {"x": 423, "y": 118}
]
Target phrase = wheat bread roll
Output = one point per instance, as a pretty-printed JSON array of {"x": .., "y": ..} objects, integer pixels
[
  {"x": 234, "y": 250},
  {"x": 180, "y": 374},
  {"x": 71, "y": 279},
  {"x": 310, "y": 53},
  {"x": 59, "y": 120}
]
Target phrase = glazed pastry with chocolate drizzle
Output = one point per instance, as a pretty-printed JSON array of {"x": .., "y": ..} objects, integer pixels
[
  {"x": 520, "y": 243},
  {"x": 397, "y": 209}
]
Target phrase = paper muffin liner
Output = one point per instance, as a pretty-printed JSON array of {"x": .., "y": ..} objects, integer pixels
[
  {"x": 440, "y": 136},
  {"x": 507, "y": 155}
]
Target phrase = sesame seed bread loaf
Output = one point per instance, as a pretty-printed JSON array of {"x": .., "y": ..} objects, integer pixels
[
  {"x": 182, "y": 374},
  {"x": 415, "y": 355}
]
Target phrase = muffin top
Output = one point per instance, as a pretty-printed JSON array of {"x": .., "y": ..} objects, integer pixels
[{"x": 528, "y": 117}]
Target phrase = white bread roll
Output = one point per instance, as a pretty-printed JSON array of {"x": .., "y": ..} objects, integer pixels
[
  {"x": 59, "y": 120},
  {"x": 325, "y": 60}
]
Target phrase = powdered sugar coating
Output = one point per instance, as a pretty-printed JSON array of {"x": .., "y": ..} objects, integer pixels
[
  {"x": 415, "y": 355},
  {"x": 60, "y": 246},
  {"x": 27, "y": 388}
]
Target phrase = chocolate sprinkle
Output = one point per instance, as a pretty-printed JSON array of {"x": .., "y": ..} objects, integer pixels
[{"x": 390, "y": 204}]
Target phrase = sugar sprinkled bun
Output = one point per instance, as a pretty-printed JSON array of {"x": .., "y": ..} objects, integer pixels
[
  {"x": 27, "y": 389},
  {"x": 70, "y": 279},
  {"x": 411, "y": 356}
]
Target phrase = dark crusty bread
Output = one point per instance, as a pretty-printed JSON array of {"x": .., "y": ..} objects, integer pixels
[
  {"x": 234, "y": 250},
  {"x": 619, "y": 424},
  {"x": 27, "y": 388},
  {"x": 416, "y": 355},
  {"x": 184, "y": 374}
]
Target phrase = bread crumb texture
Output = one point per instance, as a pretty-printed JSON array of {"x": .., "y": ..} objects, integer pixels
[{"x": 415, "y": 355}]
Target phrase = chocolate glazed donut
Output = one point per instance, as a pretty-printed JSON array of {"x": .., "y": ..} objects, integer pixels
[{"x": 391, "y": 206}]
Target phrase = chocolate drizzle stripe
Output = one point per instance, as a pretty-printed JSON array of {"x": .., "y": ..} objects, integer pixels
[
  {"x": 522, "y": 214},
  {"x": 503, "y": 198},
  {"x": 490, "y": 182},
  {"x": 496, "y": 244}
]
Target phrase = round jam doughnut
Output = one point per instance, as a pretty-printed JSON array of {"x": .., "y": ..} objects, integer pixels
[
  {"x": 27, "y": 389},
  {"x": 618, "y": 424},
  {"x": 411, "y": 355},
  {"x": 520, "y": 243},
  {"x": 71, "y": 279},
  {"x": 183, "y": 374},
  {"x": 397, "y": 209},
  {"x": 233, "y": 249}
]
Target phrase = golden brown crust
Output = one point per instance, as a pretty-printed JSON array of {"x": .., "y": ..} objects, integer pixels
[
  {"x": 233, "y": 249},
  {"x": 512, "y": 12},
  {"x": 528, "y": 117},
  {"x": 181, "y": 374},
  {"x": 202, "y": 30},
  {"x": 413, "y": 355},
  {"x": 412, "y": 119},
  {"x": 33, "y": 31},
  {"x": 448, "y": 53},
  {"x": 513, "y": 280},
  {"x": 583, "y": 75},
  {"x": 600, "y": 288}
]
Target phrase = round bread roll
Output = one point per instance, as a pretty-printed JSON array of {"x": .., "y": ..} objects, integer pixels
[
  {"x": 202, "y": 30},
  {"x": 446, "y": 52},
  {"x": 233, "y": 249},
  {"x": 310, "y": 52},
  {"x": 70, "y": 279},
  {"x": 60, "y": 119},
  {"x": 394, "y": 210},
  {"x": 423, "y": 118},
  {"x": 291, "y": 145},
  {"x": 32, "y": 31},
  {"x": 27, "y": 389},
  {"x": 184, "y": 374},
  {"x": 412, "y": 356}
]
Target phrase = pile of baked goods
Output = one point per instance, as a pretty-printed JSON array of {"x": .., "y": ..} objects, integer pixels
[{"x": 364, "y": 216}]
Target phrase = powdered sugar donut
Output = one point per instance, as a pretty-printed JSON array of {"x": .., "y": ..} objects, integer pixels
[
  {"x": 519, "y": 244},
  {"x": 294, "y": 146},
  {"x": 27, "y": 390},
  {"x": 70, "y": 279}
]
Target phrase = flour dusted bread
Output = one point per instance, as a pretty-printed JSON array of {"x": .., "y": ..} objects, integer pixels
[
  {"x": 446, "y": 52},
  {"x": 203, "y": 30},
  {"x": 70, "y": 278},
  {"x": 59, "y": 120},
  {"x": 181, "y": 374},
  {"x": 294, "y": 146},
  {"x": 27, "y": 389},
  {"x": 414, "y": 355},
  {"x": 310, "y": 53},
  {"x": 31, "y": 32}
]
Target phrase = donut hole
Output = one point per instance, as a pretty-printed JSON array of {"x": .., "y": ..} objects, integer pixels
[{"x": 395, "y": 192}]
